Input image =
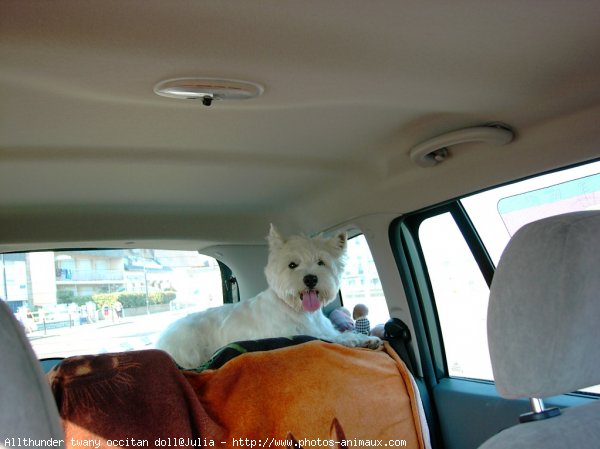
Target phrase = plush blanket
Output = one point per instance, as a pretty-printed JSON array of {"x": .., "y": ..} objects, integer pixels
[{"x": 256, "y": 399}]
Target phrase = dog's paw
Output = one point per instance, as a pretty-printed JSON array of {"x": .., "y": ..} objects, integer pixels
[
  {"x": 355, "y": 340},
  {"x": 371, "y": 343}
]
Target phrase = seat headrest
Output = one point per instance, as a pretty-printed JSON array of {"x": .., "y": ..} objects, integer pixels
[
  {"x": 544, "y": 310},
  {"x": 27, "y": 407}
]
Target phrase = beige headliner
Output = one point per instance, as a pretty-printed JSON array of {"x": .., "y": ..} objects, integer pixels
[{"x": 89, "y": 155}]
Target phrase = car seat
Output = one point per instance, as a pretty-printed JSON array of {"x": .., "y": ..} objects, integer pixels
[
  {"x": 543, "y": 329},
  {"x": 28, "y": 413}
]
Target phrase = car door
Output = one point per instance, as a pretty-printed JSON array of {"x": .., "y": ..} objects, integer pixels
[{"x": 447, "y": 256}]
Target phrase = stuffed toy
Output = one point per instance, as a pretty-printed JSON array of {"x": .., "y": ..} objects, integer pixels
[
  {"x": 361, "y": 322},
  {"x": 341, "y": 319}
]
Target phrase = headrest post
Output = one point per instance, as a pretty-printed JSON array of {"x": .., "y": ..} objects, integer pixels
[
  {"x": 539, "y": 411},
  {"x": 537, "y": 405}
]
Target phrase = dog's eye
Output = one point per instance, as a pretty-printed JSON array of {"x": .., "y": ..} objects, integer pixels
[
  {"x": 320, "y": 262},
  {"x": 293, "y": 265}
]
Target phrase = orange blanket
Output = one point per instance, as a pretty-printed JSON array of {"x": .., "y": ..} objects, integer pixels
[{"x": 254, "y": 400}]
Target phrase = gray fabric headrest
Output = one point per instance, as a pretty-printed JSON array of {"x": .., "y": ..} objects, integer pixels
[
  {"x": 27, "y": 407},
  {"x": 544, "y": 309}
]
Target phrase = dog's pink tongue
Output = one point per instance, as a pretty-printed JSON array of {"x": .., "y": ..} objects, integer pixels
[{"x": 310, "y": 300}]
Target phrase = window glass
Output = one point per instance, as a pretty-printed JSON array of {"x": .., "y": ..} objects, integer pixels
[
  {"x": 360, "y": 282},
  {"x": 460, "y": 293},
  {"x": 461, "y": 297},
  {"x": 86, "y": 302},
  {"x": 498, "y": 213}
]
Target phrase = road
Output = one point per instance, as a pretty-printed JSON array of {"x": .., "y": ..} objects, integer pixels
[{"x": 139, "y": 332}]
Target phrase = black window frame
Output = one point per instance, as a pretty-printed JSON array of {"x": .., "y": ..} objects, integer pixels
[{"x": 408, "y": 253}]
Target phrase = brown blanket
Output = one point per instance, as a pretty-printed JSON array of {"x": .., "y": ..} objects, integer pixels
[{"x": 255, "y": 400}]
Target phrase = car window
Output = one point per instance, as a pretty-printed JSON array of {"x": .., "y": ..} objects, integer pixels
[
  {"x": 95, "y": 301},
  {"x": 498, "y": 213},
  {"x": 461, "y": 294},
  {"x": 360, "y": 282}
]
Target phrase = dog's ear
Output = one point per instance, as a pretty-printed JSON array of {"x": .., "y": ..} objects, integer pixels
[
  {"x": 340, "y": 241},
  {"x": 274, "y": 238}
]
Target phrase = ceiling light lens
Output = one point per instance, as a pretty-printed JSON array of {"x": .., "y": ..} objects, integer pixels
[{"x": 208, "y": 88}]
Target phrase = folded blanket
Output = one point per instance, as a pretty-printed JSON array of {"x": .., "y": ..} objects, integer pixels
[
  {"x": 255, "y": 399},
  {"x": 115, "y": 400}
]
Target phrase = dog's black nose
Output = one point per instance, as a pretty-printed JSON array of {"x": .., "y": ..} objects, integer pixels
[{"x": 310, "y": 280}]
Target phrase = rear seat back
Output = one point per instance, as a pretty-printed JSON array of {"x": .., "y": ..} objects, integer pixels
[{"x": 27, "y": 407}]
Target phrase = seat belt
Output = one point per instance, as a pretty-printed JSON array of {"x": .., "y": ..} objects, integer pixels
[{"x": 398, "y": 335}]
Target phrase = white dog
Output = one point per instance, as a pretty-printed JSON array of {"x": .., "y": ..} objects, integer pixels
[{"x": 303, "y": 275}]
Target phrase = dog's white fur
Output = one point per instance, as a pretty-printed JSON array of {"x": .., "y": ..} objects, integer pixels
[{"x": 275, "y": 312}]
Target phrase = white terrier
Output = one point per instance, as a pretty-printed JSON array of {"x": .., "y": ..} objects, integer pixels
[{"x": 303, "y": 275}]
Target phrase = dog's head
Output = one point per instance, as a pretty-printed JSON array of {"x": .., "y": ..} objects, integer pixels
[{"x": 305, "y": 272}]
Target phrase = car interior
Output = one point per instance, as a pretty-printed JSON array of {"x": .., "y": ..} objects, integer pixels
[{"x": 147, "y": 147}]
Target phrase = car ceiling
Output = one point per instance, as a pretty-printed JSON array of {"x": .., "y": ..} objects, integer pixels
[{"x": 90, "y": 155}]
